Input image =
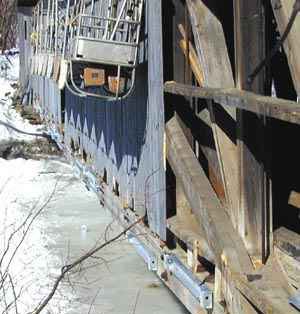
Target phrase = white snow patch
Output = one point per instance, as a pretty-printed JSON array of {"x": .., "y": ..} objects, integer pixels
[
  {"x": 28, "y": 187},
  {"x": 9, "y": 77}
]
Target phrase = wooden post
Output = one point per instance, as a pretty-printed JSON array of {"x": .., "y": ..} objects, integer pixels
[
  {"x": 255, "y": 224},
  {"x": 157, "y": 206}
]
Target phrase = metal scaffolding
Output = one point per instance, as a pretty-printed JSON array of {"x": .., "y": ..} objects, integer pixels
[{"x": 88, "y": 45}]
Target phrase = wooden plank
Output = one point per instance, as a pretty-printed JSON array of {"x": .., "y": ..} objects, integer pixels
[
  {"x": 219, "y": 233},
  {"x": 290, "y": 265},
  {"x": 213, "y": 56},
  {"x": 282, "y": 11},
  {"x": 189, "y": 231},
  {"x": 157, "y": 203},
  {"x": 210, "y": 46},
  {"x": 267, "y": 291},
  {"x": 277, "y": 108},
  {"x": 213, "y": 168},
  {"x": 183, "y": 208},
  {"x": 190, "y": 53},
  {"x": 288, "y": 241},
  {"x": 287, "y": 250},
  {"x": 294, "y": 199},
  {"x": 254, "y": 223}
]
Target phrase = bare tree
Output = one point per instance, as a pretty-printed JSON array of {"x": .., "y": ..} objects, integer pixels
[{"x": 8, "y": 24}]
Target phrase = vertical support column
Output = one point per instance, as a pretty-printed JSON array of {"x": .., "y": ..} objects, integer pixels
[
  {"x": 157, "y": 202},
  {"x": 255, "y": 223}
]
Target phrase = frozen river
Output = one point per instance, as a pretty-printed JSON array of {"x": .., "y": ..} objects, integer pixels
[{"x": 72, "y": 221}]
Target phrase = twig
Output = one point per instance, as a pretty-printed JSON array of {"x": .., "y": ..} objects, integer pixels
[
  {"x": 108, "y": 227},
  {"x": 3, "y": 279},
  {"x": 14, "y": 293},
  {"x": 11, "y": 237},
  {"x": 93, "y": 301},
  {"x": 6, "y": 56},
  {"x": 67, "y": 268},
  {"x": 29, "y": 226},
  {"x": 136, "y": 301}
]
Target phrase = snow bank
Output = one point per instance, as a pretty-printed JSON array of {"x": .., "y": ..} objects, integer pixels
[
  {"x": 9, "y": 74},
  {"x": 26, "y": 187}
]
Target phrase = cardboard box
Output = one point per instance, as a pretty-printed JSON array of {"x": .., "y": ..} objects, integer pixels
[
  {"x": 113, "y": 84},
  {"x": 93, "y": 77}
]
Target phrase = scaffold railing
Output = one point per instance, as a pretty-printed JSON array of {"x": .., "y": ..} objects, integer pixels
[{"x": 102, "y": 46}]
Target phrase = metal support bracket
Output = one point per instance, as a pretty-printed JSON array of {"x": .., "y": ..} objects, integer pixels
[
  {"x": 146, "y": 254},
  {"x": 56, "y": 137},
  {"x": 197, "y": 288},
  {"x": 88, "y": 178},
  {"x": 91, "y": 181}
]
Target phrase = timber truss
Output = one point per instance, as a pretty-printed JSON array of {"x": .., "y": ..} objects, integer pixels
[{"x": 227, "y": 220}]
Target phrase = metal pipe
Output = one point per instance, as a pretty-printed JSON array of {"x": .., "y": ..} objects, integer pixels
[
  {"x": 66, "y": 28},
  {"x": 51, "y": 26},
  {"x": 107, "y": 22},
  {"x": 47, "y": 27},
  {"x": 56, "y": 26},
  {"x": 118, "y": 20}
]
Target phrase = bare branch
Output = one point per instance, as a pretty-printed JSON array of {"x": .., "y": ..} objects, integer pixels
[
  {"x": 136, "y": 301},
  {"x": 67, "y": 268},
  {"x": 14, "y": 293},
  {"x": 93, "y": 301}
]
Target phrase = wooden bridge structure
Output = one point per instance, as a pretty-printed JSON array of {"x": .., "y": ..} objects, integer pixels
[{"x": 205, "y": 149}]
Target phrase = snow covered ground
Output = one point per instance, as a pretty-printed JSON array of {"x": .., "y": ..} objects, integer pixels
[
  {"x": 27, "y": 189},
  {"x": 9, "y": 72}
]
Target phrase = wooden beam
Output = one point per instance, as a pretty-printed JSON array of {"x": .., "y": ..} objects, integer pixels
[
  {"x": 157, "y": 203},
  {"x": 213, "y": 56},
  {"x": 282, "y": 11},
  {"x": 255, "y": 224},
  {"x": 210, "y": 46},
  {"x": 294, "y": 199},
  {"x": 267, "y": 291},
  {"x": 287, "y": 250},
  {"x": 189, "y": 231},
  {"x": 213, "y": 163},
  {"x": 189, "y": 52},
  {"x": 183, "y": 208},
  {"x": 277, "y": 108},
  {"x": 218, "y": 230}
]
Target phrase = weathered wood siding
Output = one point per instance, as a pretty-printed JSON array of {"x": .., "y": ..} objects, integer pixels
[{"x": 122, "y": 138}]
